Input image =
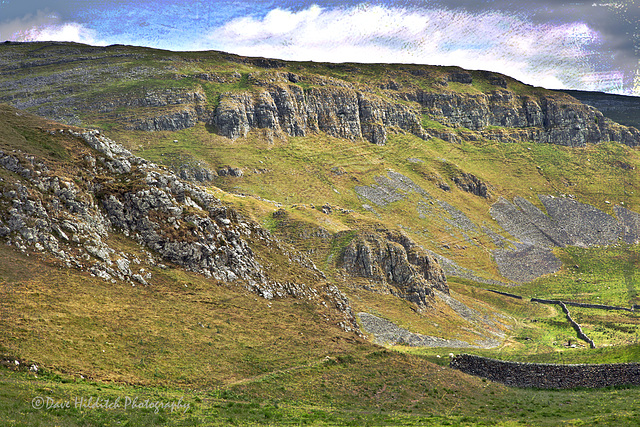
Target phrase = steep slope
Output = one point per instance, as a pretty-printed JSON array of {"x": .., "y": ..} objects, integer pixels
[
  {"x": 69, "y": 203},
  {"x": 261, "y": 216},
  {"x": 297, "y": 136}
]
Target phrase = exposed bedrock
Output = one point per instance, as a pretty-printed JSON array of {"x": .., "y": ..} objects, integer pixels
[
  {"x": 341, "y": 112},
  {"x": 344, "y": 112},
  {"x": 59, "y": 81},
  {"x": 566, "y": 223},
  {"x": 544, "y": 119},
  {"x": 471, "y": 184},
  {"x": 397, "y": 261}
]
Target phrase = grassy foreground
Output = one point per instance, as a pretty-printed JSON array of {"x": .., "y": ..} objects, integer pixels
[
  {"x": 197, "y": 348},
  {"x": 52, "y": 401}
]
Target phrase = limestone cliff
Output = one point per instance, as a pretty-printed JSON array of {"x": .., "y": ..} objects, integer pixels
[
  {"x": 554, "y": 119},
  {"x": 287, "y": 109},
  {"x": 346, "y": 112},
  {"x": 144, "y": 90}
]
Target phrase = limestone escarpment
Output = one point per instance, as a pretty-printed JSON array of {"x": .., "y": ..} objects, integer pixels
[
  {"x": 343, "y": 111},
  {"x": 143, "y": 90},
  {"x": 549, "y": 119},
  {"x": 395, "y": 260},
  {"x": 287, "y": 109}
]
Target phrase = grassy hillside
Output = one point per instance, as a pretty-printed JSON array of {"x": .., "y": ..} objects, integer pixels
[
  {"x": 237, "y": 358},
  {"x": 312, "y": 171}
]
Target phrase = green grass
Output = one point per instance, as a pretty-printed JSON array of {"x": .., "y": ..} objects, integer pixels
[
  {"x": 299, "y": 171},
  {"x": 238, "y": 359},
  {"x": 599, "y": 275},
  {"x": 379, "y": 388}
]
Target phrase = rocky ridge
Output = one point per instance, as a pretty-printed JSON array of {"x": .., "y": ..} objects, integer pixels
[
  {"x": 285, "y": 99},
  {"x": 287, "y": 109},
  {"x": 542, "y": 119}
]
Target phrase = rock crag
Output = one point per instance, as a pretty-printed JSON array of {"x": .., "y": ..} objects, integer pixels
[
  {"x": 69, "y": 215},
  {"x": 394, "y": 259},
  {"x": 287, "y": 109},
  {"x": 284, "y": 99}
]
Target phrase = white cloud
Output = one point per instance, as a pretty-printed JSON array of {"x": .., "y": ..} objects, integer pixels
[
  {"x": 46, "y": 26},
  {"x": 553, "y": 56}
]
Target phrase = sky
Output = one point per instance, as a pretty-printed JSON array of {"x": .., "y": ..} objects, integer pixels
[{"x": 586, "y": 45}]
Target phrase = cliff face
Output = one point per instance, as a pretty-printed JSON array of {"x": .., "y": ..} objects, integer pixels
[
  {"x": 150, "y": 92},
  {"x": 545, "y": 119},
  {"x": 344, "y": 112},
  {"x": 395, "y": 260},
  {"x": 287, "y": 109}
]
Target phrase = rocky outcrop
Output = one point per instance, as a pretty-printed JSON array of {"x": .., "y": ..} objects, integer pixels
[
  {"x": 287, "y": 109},
  {"x": 195, "y": 172},
  {"x": 545, "y": 119},
  {"x": 230, "y": 171},
  {"x": 178, "y": 120},
  {"x": 395, "y": 260},
  {"x": 72, "y": 219},
  {"x": 471, "y": 184}
]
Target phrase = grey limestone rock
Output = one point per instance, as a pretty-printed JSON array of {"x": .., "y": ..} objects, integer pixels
[
  {"x": 388, "y": 333},
  {"x": 394, "y": 259},
  {"x": 546, "y": 119},
  {"x": 471, "y": 184},
  {"x": 338, "y": 111}
]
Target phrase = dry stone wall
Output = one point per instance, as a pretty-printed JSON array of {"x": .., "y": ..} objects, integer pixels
[{"x": 548, "y": 376}]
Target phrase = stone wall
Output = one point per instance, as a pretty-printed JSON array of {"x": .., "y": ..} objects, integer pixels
[
  {"x": 572, "y": 322},
  {"x": 548, "y": 376}
]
